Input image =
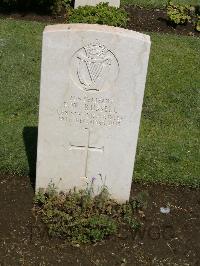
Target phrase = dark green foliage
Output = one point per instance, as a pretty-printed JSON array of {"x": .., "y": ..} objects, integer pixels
[
  {"x": 26, "y": 4},
  {"x": 55, "y": 6},
  {"x": 9, "y": 2},
  {"x": 100, "y": 14},
  {"x": 58, "y": 5},
  {"x": 80, "y": 218}
]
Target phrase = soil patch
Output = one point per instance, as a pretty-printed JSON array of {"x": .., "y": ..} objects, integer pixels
[
  {"x": 164, "y": 239},
  {"x": 140, "y": 19}
]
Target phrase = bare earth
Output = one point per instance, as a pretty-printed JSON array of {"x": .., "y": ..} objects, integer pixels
[{"x": 164, "y": 239}]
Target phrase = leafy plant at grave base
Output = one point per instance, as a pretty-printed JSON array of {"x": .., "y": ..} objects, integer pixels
[
  {"x": 100, "y": 14},
  {"x": 80, "y": 218},
  {"x": 178, "y": 14}
]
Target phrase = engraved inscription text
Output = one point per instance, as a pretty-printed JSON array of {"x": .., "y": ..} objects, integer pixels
[{"x": 90, "y": 111}]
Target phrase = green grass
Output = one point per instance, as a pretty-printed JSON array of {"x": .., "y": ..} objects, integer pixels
[
  {"x": 168, "y": 141},
  {"x": 157, "y": 3},
  {"x": 20, "y": 53},
  {"x": 169, "y": 134}
]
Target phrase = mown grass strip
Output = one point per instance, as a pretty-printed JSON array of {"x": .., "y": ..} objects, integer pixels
[{"x": 169, "y": 133}]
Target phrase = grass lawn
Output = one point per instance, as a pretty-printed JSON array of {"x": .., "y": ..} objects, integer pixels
[
  {"x": 158, "y": 3},
  {"x": 168, "y": 141}
]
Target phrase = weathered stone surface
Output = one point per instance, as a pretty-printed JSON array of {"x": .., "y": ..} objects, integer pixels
[
  {"x": 92, "y": 86},
  {"x": 78, "y": 3}
]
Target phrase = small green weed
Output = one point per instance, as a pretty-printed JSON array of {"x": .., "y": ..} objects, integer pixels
[
  {"x": 80, "y": 218},
  {"x": 100, "y": 14},
  {"x": 142, "y": 200}
]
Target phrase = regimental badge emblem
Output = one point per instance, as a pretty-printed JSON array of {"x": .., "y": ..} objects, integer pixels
[{"x": 94, "y": 67}]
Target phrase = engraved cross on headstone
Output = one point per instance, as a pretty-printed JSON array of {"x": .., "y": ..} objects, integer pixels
[{"x": 87, "y": 148}]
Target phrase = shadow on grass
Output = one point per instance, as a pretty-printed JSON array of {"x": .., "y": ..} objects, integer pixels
[{"x": 30, "y": 141}]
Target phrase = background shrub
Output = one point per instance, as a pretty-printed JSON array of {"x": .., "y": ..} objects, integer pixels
[
  {"x": 181, "y": 14},
  {"x": 178, "y": 14},
  {"x": 100, "y": 14}
]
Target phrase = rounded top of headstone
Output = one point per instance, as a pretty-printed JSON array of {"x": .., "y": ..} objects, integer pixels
[{"x": 97, "y": 28}]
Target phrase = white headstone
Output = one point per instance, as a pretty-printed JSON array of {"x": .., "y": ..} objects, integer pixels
[
  {"x": 115, "y": 3},
  {"x": 92, "y": 86}
]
